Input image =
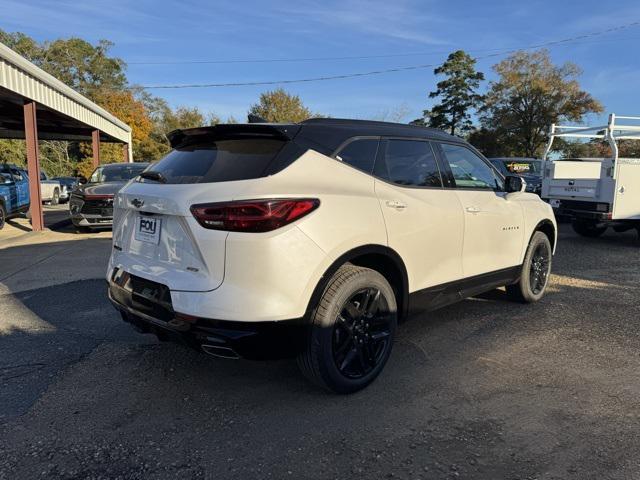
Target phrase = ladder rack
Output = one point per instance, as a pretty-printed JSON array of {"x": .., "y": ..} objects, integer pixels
[{"x": 611, "y": 132}]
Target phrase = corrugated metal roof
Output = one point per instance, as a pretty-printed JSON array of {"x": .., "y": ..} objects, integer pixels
[{"x": 22, "y": 77}]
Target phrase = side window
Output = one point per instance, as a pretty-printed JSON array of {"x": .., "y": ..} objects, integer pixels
[
  {"x": 469, "y": 170},
  {"x": 360, "y": 154},
  {"x": 499, "y": 165},
  {"x": 17, "y": 175},
  {"x": 411, "y": 163}
]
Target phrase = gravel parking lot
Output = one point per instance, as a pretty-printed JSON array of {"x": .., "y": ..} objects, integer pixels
[{"x": 483, "y": 389}]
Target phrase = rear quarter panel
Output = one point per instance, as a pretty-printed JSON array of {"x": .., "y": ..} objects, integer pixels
[{"x": 349, "y": 215}]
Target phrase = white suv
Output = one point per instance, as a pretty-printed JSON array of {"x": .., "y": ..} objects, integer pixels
[{"x": 314, "y": 239}]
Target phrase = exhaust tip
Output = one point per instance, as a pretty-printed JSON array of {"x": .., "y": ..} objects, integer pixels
[{"x": 220, "y": 352}]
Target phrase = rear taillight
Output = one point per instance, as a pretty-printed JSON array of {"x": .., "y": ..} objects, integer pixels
[{"x": 253, "y": 215}]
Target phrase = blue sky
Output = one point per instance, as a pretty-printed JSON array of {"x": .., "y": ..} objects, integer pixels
[{"x": 163, "y": 30}]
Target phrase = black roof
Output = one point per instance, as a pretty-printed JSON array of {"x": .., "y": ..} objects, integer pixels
[
  {"x": 321, "y": 134},
  {"x": 373, "y": 127}
]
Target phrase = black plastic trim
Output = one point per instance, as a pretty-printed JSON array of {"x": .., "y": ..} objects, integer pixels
[
  {"x": 439, "y": 296},
  {"x": 251, "y": 340},
  {"x": 403, "y": 289}
]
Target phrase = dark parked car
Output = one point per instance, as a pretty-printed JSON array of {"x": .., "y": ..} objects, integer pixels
[
  {"x": 91, "y": 204},
  {"x": 528, "y": 168}
]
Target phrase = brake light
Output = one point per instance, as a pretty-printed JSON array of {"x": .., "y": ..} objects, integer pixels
[{"x": 253, "y": 215}]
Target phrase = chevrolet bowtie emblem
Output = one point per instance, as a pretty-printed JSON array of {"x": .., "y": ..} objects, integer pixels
[{"x": 137, "y": 202}]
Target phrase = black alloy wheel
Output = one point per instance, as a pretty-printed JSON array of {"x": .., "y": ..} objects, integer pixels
[
  {"x": 361, "y": 333},
  {"x": 535, "y": 271},
  {"x": 351, "y": 330},
  {"x": 539, "y": 268}
]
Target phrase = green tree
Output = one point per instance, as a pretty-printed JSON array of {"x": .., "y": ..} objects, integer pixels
[
  {"x": 529, "y": 95},
  {"x": 86, "y": 68},
  {"x": 280, "y": 106},
  {"x": 457, "y": 94},
  {"x": 92, "y": 71}
]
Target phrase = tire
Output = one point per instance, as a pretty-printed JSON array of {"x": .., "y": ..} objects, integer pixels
[
  {"x": 352, "y": 331},
  {"x": 3, "y": 216},
  {"x": 534, "y": 276},
  {"x": 587, "y": 228},
  {"x": 56, "y": 197}
]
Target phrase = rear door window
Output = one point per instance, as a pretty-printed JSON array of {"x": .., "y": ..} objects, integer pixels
[
  {"x": 410, "y": 163},
  {"x": 218, "y": 160},
  {"x": 360, "y": 153}
]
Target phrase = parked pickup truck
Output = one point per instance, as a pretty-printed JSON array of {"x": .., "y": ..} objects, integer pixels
[
  {"x": 14, "y": 192},
  {"x": 50, "y": 190},
  {"x": 596, "y": 193}
]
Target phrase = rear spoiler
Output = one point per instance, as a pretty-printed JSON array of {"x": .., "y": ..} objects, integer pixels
[{"x": 181, "y": 137}]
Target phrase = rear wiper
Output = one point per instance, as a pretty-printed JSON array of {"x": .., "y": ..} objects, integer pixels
[{"x": 151, "y": 175}]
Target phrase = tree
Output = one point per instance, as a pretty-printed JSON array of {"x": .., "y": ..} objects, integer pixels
[
  {"x": 487, "y": 142},
  {"x": 530, "y": 94},
  {"x": 86, "y": 68},
  {"x": 165, "y": 120},
  {"x": 280, "y": 106},
  {"x": 457, "y": 93},
  {"x": 92, "y": 71}
]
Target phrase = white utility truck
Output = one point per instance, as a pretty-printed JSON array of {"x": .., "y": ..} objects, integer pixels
[{"x": 596, "y": 193}]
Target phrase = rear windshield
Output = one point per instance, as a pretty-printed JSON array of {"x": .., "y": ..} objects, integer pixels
[
  {"x": 218, "y": 160},
  {"x": 117, "y": 173}
]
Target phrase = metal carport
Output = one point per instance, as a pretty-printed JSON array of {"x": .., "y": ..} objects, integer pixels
[{"x": 35, "y": 105}]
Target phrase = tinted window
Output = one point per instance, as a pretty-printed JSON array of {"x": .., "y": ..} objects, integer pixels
[
  {"x": 469, "y": 170},
  {"x": 499, "y": 165},
  {"x": 360, "y": 154},
  {"x": 17, "y": 175},
  {"x": 218, "y": 161},
  {"x": 116, "y": 173},
  {"x": 410, "y": 162}
]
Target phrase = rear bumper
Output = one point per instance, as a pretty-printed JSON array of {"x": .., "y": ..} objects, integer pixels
[
  {"x": 231, "y": 339},
  {"x": 585, "y": 214}
]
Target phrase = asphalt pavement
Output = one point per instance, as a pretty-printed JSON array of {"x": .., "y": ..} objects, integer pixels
[{"x": 484, "y": 389}]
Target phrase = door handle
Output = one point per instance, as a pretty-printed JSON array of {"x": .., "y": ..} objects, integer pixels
[
  {"x": 473, "y": 209},
  {"x": 397, "y": 204}
]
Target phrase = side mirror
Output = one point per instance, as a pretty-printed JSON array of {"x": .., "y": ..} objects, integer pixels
[{"x": 513, "y": 183}]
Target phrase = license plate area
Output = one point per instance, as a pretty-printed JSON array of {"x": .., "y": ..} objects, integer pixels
[
  {"x": 142, "y": 295},
  {"x": 147, "y": 229}
]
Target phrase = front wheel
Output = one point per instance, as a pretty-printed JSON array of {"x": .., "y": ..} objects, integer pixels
[
  {"x": 352, "y": 331},
  {"x": 56, "y": 197},
  {"x": 535, "y": 272}
]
